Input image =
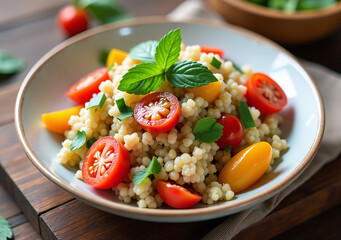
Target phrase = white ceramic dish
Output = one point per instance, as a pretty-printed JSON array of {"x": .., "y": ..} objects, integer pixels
[{"x": 43, "y": 90}]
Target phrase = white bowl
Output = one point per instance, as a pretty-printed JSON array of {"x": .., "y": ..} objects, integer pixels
[{"x": 43, "y": 90}]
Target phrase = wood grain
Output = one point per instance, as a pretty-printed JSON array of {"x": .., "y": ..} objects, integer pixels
[
  {"x": 8, "y": 208},
  {"x": 25, "y": 231}
]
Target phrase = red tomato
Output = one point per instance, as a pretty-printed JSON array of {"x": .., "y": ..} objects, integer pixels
[
  {"x": 233, "y": 131},
  {"x": 72, "y": 20},
  {"x": 82, "y": 91},
  {"x": 264, "y": 94},
  {"x": 106, "y": 164},
  {"x": 157, "y": 112},
  {"x": 177, "y": 196},
  {"x": 214, "y": 50}
]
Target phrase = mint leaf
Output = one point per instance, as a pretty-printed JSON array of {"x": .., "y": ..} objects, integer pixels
[
  {"x": 142, "y": 79},
  {"x": 90, "y": 142},
  {"x": 5, "y": 229},
  {"x": 78, "y": 141},
  {"x": 125, "y": 110},
  {"x": 10, "y": 64},
  {"x": 237, "y": 68},
  {"x": 144, "y": 51},
  {"x": 207, "y": 130},
  {"x": 245, "y": 115},
  {"x": 189, "y": 74},
  {"x": 215, "y": 63},
  {"x": 168, "y": 49},
  {"x": 153, "y": 168},
  {"x": 97, "y": 101}
]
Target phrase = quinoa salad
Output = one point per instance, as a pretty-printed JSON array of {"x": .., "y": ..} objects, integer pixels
[{"x": 183, "y": 154}]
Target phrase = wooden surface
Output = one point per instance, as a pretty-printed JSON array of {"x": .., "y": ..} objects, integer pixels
[{"x": 36, "y": 208}]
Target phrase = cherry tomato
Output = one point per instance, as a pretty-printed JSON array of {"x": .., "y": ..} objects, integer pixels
[
  {"x": 106, "y": 164},
  {"x": 214, "y": 50},
  {"x": 157, "y": 112},
  {"x": 72, "y": 20},
  {"x": 208, "y": 92},
  {"x": 82, "y": 91},
  {"x": 264, "y": 94},
  {"x": 233, "y": 131},
  {"x": 246, "y": 167},
  {"x": 177, "y": 196}
]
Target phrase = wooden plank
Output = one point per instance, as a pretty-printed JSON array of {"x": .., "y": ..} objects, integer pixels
[
  {"x": 25, "y": 231},
  {"x": 8, "y": 208}
]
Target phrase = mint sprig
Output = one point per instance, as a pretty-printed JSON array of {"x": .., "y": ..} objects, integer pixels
[
  {"x": 125, "y": 110},
  {"x": 147, "y": 77},
  {"x": 207, "y": 130},
  {"x": 10, "y": 64},
  {"x": 78, "y": 141},
  {"x": 153, "y": 168},
  {"x": 5, "y": 229}
]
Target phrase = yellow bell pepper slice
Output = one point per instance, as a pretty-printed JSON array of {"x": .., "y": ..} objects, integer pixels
[
  {"x": 57, "y": 122},
  {"x": 116, "y": 56},
  {"x": 208, "y": 92}
]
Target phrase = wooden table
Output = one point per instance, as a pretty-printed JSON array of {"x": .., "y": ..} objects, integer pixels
[{"x": 36, "y": 208}]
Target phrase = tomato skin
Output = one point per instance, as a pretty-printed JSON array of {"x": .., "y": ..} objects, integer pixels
[
  {"x": 214, "y": 50},
  {"x": 158, "y": 126},
  {"x": 72, "y": 20},
  {"x": 177, "y": 196},
  {"x": 82, "y": 91},
  {"x": 258, "y": 86},
  {"x": 233, "y": 131},
  {"x": 246, "y": 167},
  {"x": 119, "y": 167}
]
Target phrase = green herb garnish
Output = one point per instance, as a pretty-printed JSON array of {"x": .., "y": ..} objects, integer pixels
[
  {"x": 237, "y": 68},
  {"x": 228, "y": 148},
  {"x": 90, "y": 142},
  {"x": 10, "y": 64},
  {"x": 153, "y": 168},
  {"x": 97, "y": 101},
  {"x": 125, "y": 110},
  {"x": 294, "y": 5},
  {"x": 147, "y": 77},
  {"x": 111, "y": 66},
  {"x": 103, "y": 56},
  {"x": 207, "y": 130},
  {"x": 78, "y": 141},
  {"x": 245, "y": 115},
  {"x": 145, "y": 51},
  {"x": 215, "y": 63},
  {"x": 5, "y": 229}
]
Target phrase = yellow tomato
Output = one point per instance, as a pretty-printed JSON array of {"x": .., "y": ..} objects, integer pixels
[
  {"x": 57, "y": 122},
  {"x": 116, "y": 56},
  {"x": 208, "y": 92},
  {"x": 246, "y": 167}
]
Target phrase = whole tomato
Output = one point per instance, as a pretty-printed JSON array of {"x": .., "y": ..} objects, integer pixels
[{"x": 72, "y": 20}]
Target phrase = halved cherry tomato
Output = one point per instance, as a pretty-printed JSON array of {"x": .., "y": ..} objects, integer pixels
[
  {"x": 208, "y": 92},
  {"x": 57, "y": 122},
  {"x": 246, "y": 167},
  {"x": 214, "y": 50},
  {"x": 106, "y": 164},
  {"x": 82, "y": 91},
  {"x": 72, "y": 20},
  {"x": 157, "y": 112},
  {"x": 233, "y": 131},
  {"x": 264, "y": 94},
  {"x": 177, "y": 196}
]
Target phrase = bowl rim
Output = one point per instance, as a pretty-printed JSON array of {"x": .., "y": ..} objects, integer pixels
[
  {"x": 278, "y": 14},
  {"x": 192, "y": 214}
]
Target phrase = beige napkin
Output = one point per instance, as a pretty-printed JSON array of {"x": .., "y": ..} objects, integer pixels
[{"x": 329, "y": 84}]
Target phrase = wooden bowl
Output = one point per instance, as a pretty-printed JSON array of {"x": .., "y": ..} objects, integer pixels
[{"x": 282, "y": 27}]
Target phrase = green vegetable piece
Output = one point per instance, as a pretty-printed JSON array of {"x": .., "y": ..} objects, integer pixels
[
  {"x": 228, "y": 147},
  {"x": 90, "y": 142},
  {"x": 215, "y": 63},
  {"x": 78, "y": 141},
  {"x": 125, "y": 110},
  {"x": 168, "y": 49},
  {"x": 153, "y": 168},
  {"x": 142, "y": 79},
  {"x": 245, "y": 115},
  {"x": 237, "y": 68},
  {"x": 103, "y": 56},
  {"x": 314, "y": 4},
  {"x": 189, "y": 74},
  {"x": 144, "y": 52},
  {"x": 97, "y": 101},
  {"x": 207, "y": 130},
  {"x": 10, "y": 64},
  {"x": 5, "y": 229},
  {"x": 259, "y": 2},
  {"x": 111, "y": 66}
]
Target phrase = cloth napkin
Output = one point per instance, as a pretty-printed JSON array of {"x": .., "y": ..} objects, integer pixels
[{"x": 329, "y": 84}]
